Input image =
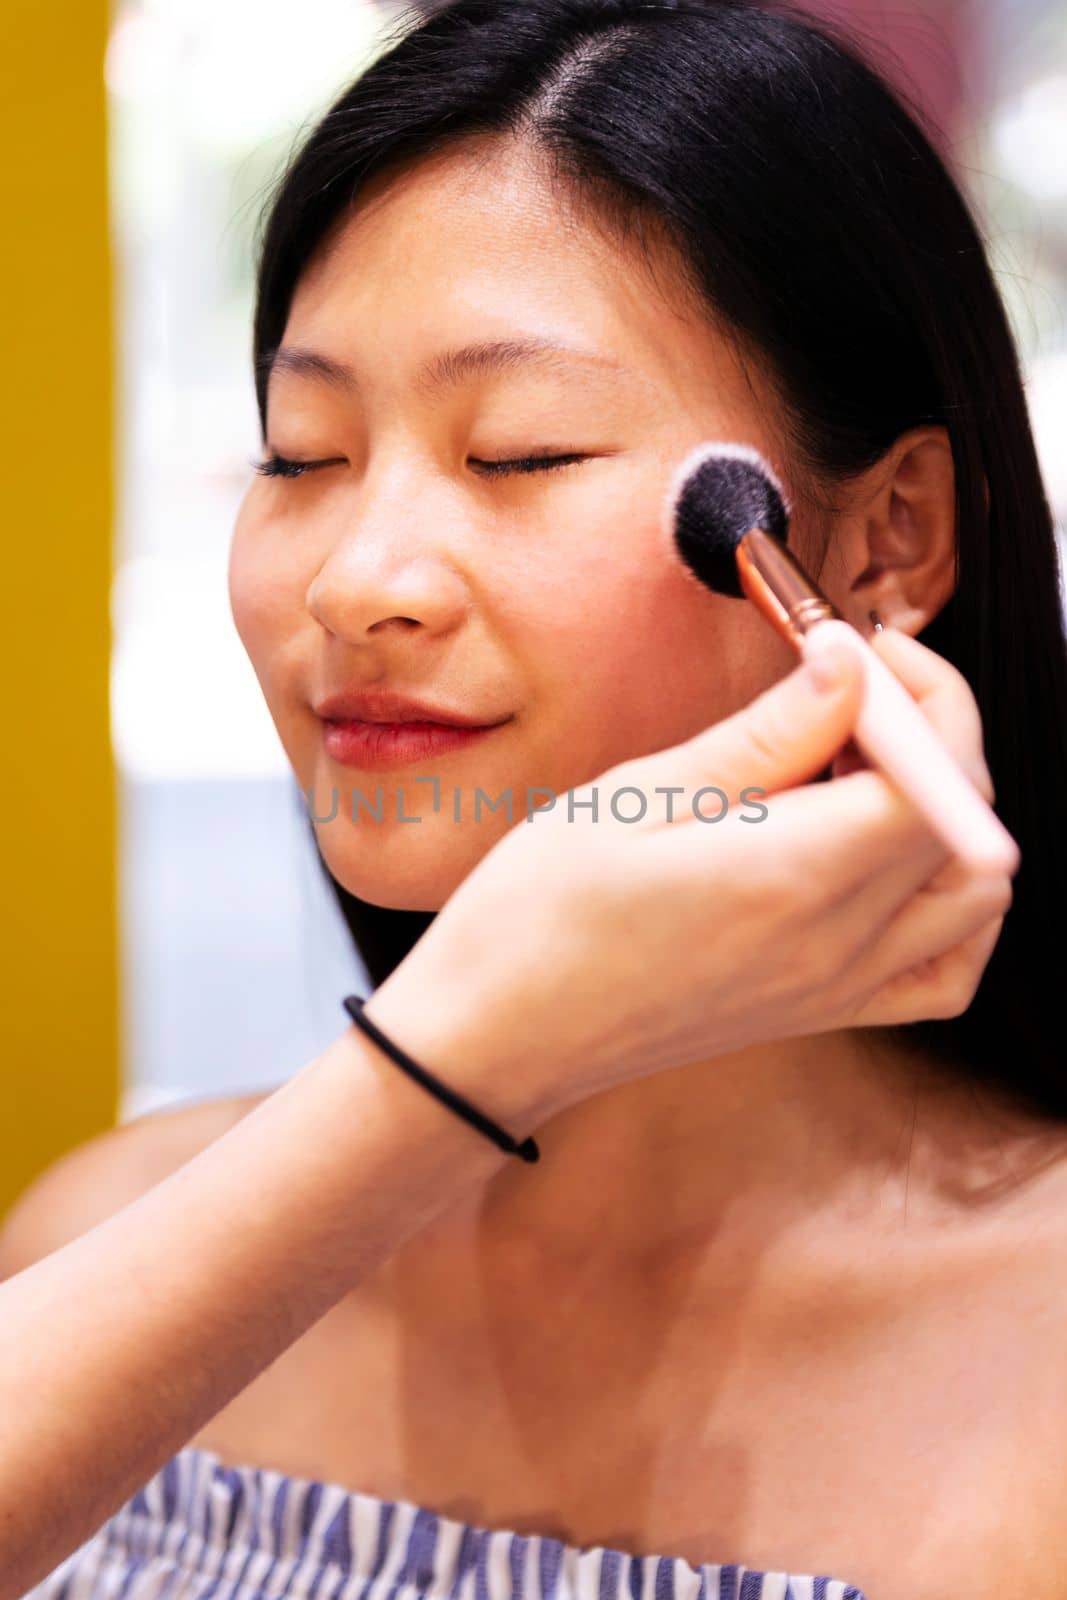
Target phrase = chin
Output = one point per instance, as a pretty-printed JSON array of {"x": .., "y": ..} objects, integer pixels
[
  {"x": 401, "y": 876},
  {"x": 392, "y": 902}
]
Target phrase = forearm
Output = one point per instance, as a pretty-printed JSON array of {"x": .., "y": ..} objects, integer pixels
[{"x": 119, "y": 1346}]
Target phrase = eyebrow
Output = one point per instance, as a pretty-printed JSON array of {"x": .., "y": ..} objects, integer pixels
[{"x": 449, "y": 368}]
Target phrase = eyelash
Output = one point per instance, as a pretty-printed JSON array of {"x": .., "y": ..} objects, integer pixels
[
  {"x": 502, "y": 469},
  {"x": 276, "y": 466}
]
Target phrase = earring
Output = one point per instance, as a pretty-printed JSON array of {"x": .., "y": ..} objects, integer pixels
[{"x": 876, "y": 621}]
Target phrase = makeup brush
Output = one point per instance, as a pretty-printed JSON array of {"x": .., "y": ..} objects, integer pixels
[{"x": 728, "y": 518}]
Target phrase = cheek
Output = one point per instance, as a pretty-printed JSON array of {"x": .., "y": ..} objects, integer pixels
[
  {"x": 265, "y": 598},
  {"x": 267, "y": 604},
  {"x": 633, "y": 655}
]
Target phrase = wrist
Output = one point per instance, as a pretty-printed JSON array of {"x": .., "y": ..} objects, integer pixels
[{"x": 468, "y": 1042}]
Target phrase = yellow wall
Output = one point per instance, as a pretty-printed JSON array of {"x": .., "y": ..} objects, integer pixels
[{"x": 58, "y": 960}]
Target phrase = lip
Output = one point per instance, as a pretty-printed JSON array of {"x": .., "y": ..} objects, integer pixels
[
  {"x": 382, "y": 746},
  {"x": 388, "y": 708}
]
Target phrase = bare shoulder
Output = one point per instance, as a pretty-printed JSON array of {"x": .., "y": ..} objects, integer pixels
[{"x": 95, "y": 1179}]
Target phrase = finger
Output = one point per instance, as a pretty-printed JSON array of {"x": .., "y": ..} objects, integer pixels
[
  {"x": 941, "y": 915},
  {"x": 856, "y": 842},
  {"x": 867, "y": 915},
  {"x": 944, "y": 696},
  {"x": 894, "y": 897},
  {"x": 941, "y": 991},
  {"x": 934, "y": 953},
  {"x": 783, "y": 737},
  {"x": 822, "y": 892}
]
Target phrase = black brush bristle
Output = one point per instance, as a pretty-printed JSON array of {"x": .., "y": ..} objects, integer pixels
[{"x": 720, "y": 500}]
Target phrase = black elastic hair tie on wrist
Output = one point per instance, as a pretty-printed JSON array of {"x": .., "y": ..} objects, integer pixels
[{"x": 354, "y": 1003}]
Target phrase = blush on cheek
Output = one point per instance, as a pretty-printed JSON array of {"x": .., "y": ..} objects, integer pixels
[
  {"x": 254, "y": 627},
  {"x": 664, "y": 660}
]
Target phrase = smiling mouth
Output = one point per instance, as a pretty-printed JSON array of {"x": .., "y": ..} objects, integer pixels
[{"x": 380, "y": 746}]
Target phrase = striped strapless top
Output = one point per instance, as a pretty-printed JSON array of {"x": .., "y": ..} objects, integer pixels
[{"x": 202, "y": 1530}]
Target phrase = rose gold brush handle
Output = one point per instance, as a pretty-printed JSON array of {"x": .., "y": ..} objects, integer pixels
[{"x": 890, "y": 729}]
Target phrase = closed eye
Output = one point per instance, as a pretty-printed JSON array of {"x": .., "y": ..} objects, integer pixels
[
  {"x": 496, "y": 469},
  {"x": 276, "y": 466}
]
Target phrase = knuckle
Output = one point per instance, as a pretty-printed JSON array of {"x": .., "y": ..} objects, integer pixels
[
  {"x": 998, "y": 896},
  {"x": 955, "y": 694},
  {"x": 959, "y": 989},
  {"x": 961, "y": 731},
  {"x": 989, "y": 897},
  {"x": 973, "y": 762},
  {"x": 941, "y": 1007},
  {"x": 979, "y": 774},
  {"x": 955, "y": 714},
  {"x": 957, "y": 687}
]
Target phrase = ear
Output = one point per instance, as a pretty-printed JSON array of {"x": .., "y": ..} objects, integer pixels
[{"x": 893, "y": 547}]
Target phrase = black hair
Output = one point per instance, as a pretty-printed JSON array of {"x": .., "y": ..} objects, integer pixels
[{"x": 822, "y": 227}]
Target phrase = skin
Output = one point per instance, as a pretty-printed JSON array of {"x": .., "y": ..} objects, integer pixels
[
  {"x": 555, "y": 599},
  {"x": 797, "y": 1305}
]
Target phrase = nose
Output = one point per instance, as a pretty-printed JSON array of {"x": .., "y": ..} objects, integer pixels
[{"x": 390, "y": 572}]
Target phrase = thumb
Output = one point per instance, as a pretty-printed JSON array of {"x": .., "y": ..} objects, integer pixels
[{"x": 783, "y": 737}]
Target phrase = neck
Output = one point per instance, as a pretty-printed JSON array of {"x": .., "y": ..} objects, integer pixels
[{"x": 832, "y": 1131}]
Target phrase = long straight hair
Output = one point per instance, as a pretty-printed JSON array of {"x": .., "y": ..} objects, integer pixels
[{"x": 818, "y": 223}]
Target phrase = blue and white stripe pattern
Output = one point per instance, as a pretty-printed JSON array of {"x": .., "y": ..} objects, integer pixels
[{"x": 202, "y": 1530}]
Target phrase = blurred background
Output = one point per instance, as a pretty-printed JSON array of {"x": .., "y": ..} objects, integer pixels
[{"x": 224, "y": 961}]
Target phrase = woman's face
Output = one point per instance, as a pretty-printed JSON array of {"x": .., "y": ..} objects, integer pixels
[{"x": 547, "y": 601}]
